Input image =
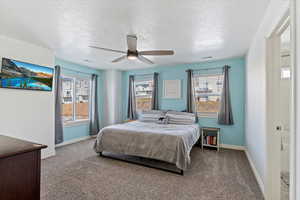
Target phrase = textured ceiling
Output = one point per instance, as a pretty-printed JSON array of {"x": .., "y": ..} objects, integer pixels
[{"x": 193, "y": 28}]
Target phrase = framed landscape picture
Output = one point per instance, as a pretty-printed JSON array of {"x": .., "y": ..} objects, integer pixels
[{"x": 20, "y": 75}]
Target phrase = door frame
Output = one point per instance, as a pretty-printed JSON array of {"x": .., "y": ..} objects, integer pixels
[
  {"x": 295, "y": 29},
  {"x": 273, "y": 137}
]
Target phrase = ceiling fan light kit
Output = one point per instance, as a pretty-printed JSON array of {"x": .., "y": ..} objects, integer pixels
[
  {"x": 132, "y": 55},
  {"x": 132, "y": 52}
]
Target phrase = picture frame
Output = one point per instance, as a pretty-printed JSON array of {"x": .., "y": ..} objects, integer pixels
[
  {"x": 26, "y": 76},
  {"x": 172, "y": 89}
]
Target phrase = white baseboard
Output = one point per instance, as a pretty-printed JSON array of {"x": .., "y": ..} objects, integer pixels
[
  {"x": 73, "y": 141},
  {"x": 256, "y": 174},
  {"x": 234, "y": 147},
  {"x": 47, "y": 154}
]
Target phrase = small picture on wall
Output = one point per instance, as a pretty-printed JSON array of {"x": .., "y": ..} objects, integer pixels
[{"x": 172, "y": 89}]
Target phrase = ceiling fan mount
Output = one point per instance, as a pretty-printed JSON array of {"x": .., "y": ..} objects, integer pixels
[{"x": 132, "y": 53}]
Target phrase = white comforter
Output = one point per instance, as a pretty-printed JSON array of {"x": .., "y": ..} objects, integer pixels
[{"x": 167, "y": 142}]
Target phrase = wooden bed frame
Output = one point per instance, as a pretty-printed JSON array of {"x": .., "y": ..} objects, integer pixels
[{"x": 180, "y": 171}]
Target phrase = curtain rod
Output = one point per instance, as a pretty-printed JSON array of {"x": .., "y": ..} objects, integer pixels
[
  {"x": 67, "y": 69},
  {"x": 208, "y": 68}
]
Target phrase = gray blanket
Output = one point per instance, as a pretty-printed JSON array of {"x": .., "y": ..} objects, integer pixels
[{"x": 167, "y": 142}]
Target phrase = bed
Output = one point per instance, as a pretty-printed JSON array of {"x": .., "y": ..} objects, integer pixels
[{"x": 171, "y": 143}]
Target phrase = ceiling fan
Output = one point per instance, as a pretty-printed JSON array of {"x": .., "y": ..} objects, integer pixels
[{"x": 133, "y": 54}]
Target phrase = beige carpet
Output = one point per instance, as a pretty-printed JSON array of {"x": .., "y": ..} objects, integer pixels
[{"x": 77, "y": 172}]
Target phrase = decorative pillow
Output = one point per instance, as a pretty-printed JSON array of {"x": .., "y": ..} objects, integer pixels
[
  {"x": 151, "y": 115},
  {"x": 163, "y": 120},
  {"x": 184, "y": 118}
]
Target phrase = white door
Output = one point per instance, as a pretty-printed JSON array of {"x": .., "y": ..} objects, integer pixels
[
  {"x": 279, "y": 114},
  {"x": 285, "y": 112}
]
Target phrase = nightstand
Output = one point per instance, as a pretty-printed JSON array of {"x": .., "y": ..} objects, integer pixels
[{"x": 210, "y": 137}]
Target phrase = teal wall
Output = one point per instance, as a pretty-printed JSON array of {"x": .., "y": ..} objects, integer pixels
[
  {"x": 81, "y": 130},
  {"x": 232, "y": 135}
]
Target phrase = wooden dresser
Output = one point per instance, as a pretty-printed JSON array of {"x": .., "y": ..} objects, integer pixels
[{"x": 20, "y": 169}]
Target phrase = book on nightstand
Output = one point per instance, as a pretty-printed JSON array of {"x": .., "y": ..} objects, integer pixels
[{"x": 210, "y": 137}]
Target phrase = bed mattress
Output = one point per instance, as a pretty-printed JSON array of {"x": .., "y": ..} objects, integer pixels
[{"x": 167, "y": 142}]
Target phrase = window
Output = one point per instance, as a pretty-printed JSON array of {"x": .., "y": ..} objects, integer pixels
[
  {"x": 67, "y": 99},
  {"x": 143, "y": 94},
  {"x": 207, "y": 91},
  {"x": 75, "y": 99}
]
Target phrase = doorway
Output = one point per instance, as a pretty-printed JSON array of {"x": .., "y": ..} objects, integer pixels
[{"x": 280, "y": 120}]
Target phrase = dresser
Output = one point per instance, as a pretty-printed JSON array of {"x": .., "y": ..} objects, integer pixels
[{"x": 20, "y": 169}]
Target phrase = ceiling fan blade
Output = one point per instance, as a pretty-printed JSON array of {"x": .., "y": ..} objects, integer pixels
[
  {"x": 106, "y": 49},
  {"x": 144, "y": 59},
  {"x": 119, "y": 59},
  {"x": 132, "y": 42},
  {"x": 157, "y": 53}
]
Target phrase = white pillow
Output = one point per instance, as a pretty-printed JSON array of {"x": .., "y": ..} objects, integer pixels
[
  {"x": 151, "y": 116},
  {"x": 184, "y": 118}
]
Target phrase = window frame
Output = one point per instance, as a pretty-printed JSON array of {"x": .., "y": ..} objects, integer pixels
[
  {"x": 135, "y": 96},
  {"x": 213, "y": 115},
  {"x": 75, "y": 121}
]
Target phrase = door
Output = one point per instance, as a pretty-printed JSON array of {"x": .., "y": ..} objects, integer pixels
[
  {"x": 285, "y": 112},
  {"x": 279, "y": 113}
]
